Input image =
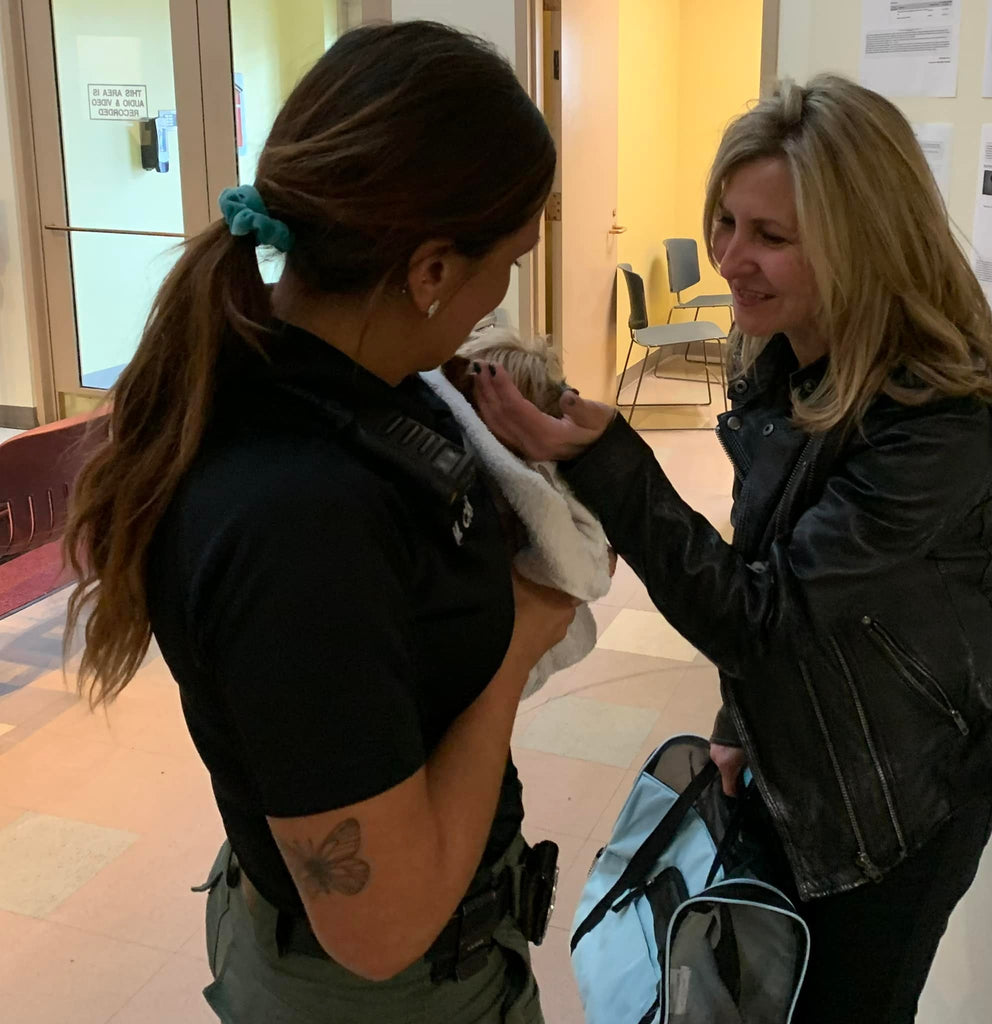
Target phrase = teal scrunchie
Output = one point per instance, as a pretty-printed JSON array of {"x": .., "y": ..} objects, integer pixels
[{"x": 246, "y": 214}]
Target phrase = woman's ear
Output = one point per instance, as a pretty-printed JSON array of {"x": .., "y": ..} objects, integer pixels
[{"x": 433, "y": 274}]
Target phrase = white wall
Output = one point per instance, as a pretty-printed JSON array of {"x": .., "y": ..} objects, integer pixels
[
  {"x": 816, "y": 36},
  {"x": 491, "y": 19},
  {"x": 15, "y": 360},
  {"x": 494, "y": 20}
]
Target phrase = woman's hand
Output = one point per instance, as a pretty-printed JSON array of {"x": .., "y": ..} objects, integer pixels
[
  {"x": 523, "y": 428},
  {"x": 731, "y": 761},
  {"x": 542, "y": 616}
]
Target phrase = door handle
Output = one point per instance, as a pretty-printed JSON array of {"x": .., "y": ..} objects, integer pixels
[
  {"x": 112, "y": 231},
  {"x": 617, "y": 230}
]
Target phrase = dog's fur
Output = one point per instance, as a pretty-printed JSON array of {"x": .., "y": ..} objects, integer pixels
[{"x": 564, "y": 544}]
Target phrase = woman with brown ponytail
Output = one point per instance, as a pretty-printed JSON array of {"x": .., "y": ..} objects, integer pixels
[{"x": 285, "y": 507}]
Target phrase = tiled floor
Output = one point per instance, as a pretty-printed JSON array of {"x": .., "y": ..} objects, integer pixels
[{"x": 106, "y": 822}]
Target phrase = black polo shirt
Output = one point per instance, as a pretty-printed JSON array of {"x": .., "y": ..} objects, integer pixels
[{"x": 325, "y": 616}]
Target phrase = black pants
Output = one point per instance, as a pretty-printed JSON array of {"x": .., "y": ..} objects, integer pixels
[{"x": 871, "y": 948}]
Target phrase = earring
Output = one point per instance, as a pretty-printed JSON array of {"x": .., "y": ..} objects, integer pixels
[{"x": 433, "y": 308}]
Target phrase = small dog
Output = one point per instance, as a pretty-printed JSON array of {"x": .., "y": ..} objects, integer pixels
[
  {"x": 554, "y": 539},
  {"x": 534, "y": 369},
  {"x": 532, "y": 366}
]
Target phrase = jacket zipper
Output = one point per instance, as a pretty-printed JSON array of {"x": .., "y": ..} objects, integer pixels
[
  {"x": 740, "y": 467},
  {"x": 742, "y": 464},
  {"x": 921, "y": 680},
  {"x": 863, "y": 861},
  {"x": 796, "y": 470},
  {"x": 863, "y": 718}
]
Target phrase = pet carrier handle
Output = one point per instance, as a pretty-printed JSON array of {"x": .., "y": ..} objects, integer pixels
[
  {"x": 733, "y": 830},
  {"x": 650, "y": 850}
]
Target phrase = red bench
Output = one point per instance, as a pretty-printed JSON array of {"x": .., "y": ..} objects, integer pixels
[{"x": 37, "y": 471}]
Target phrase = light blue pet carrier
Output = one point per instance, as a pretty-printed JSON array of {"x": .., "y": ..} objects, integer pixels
[{"x": 673, "y": 925}]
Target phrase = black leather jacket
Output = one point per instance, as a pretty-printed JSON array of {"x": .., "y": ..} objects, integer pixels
[{"x": 850, "y": 620}]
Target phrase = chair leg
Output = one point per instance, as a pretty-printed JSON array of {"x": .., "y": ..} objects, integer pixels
[
  {"x": 671, "y": 310},
  {"x": 688, "y": 359},
  {"x": 689, "y": 346},
  {"x": 637, "y": 390},
  {"x": 626, "y": 363},
  {"x": 706, "y": 373}
]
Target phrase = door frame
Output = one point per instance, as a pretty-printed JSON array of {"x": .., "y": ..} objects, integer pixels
[
  {"x": 25, "y": 162},
  {"x": 771, "y": 14},
  {"x": 197, "y": 75}
]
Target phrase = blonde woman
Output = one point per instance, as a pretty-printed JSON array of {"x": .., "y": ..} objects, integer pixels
[{"x": 850, "y": 618}]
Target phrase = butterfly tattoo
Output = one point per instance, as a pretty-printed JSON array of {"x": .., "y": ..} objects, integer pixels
[{"x": 332, "y": 865}]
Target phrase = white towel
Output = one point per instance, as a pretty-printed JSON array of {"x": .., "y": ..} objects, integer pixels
[{"x": 568, "y": 548}]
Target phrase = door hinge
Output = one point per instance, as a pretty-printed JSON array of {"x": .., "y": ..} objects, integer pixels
[{"x": 553, "y": 210}]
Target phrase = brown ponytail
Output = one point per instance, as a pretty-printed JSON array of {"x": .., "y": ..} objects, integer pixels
[
  {"x": 161, "y": 403},
  {"x": 398, "y": 134}
]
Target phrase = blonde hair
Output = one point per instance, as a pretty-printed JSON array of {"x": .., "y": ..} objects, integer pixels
[
  {"x": 532, "y": 365},
  {"x": 896, "y": 291}
]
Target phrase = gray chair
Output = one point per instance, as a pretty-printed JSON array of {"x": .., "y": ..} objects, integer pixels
[
  {"x": 661, "y": 336},
  {"x": 682, "y": 256},
  {"x": 683, "y": 272}
]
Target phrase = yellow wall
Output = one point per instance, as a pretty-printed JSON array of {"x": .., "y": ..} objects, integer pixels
[
  {"x": 648, "y": 121},
  {"x": 719, "y": 76},
  {"x": 686, "y": 68},
  {"x": 302, "y": 31},
  {"x": 274, "y": 43}
]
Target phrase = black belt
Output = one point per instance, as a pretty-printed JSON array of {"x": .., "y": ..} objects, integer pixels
[
  {"x": 465, "y": 941},
  {"x": 458, "y": 952}
]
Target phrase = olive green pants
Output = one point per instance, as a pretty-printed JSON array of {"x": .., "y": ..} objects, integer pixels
[{"x": 255, "y": 985}]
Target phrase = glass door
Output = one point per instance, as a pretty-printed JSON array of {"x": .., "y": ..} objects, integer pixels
[
  {"x": 112, "y": 174},
  {"x": 143, "y": 113}
]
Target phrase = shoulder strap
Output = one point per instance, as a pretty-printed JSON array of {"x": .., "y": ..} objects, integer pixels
[
  {"x": 650, "y": 850},
  {"x": 401, "y": 442}
]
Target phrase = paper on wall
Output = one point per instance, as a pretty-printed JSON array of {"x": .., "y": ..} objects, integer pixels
[
  {"x": 910, "y": 47},
  {"x": 981, "y": 239},
  {"x": 935, "y": 141}
]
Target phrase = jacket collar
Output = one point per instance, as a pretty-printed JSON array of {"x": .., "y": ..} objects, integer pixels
[{"x": 777, "y": 363}]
